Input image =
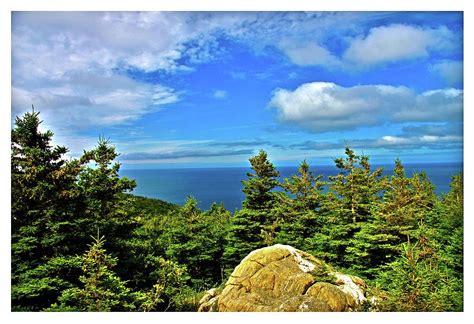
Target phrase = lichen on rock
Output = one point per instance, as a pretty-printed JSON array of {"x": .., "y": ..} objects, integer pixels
[{"x": 280, "y": 278}]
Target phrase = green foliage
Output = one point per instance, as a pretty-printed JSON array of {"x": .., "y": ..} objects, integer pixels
[
  {"x": 391, "y": 218},
  {"x": 170, "y": 286},
  {"x": 419, "y": 280},
  {"x": 244, "y": 236},
  {"x": 355, "y": 193},
  {"x": 102, "y": 290},
  {"x": 44, "y": 201},
  {"x": 258, "y": 188},
  {"x": 255, "y": 224},
  {"x": 197, "y": 239},
  {"x": 393, "y": 231},
  {"x": 356, "y": 188},
  {"x": 299, "y": 210}
]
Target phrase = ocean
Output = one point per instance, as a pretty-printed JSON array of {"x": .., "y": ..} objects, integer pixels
[{"x": 224, "y": 184}]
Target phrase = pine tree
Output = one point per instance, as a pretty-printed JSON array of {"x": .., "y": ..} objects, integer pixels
[
  {"x": 105, "y": 207},
  {"x": 197, "y": 239},
  {"x": 44, "y": 201},
  {"x": 254, "y": 225},
  {"x": 377, "y": 243},
  {"x": 356, "y": 187},
  {"x": 299, "y": 210},
  {"x": 102, "y": 184},
  {"x": 424, "y": 196},
  {"x": 355, "y": 192},
  {"x": 447, "y": 218},
  {"x": 258, "y": 188},
  {"x": 419, "y": 280},
  {"x": 454, "y": 201},
  {"x": 102, "y": 290}
]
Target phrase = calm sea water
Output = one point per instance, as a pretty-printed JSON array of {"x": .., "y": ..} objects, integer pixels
[{"x": 224, "y": 184}]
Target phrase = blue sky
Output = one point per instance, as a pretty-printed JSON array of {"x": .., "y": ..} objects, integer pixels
[{"x": 199, "y": 89}]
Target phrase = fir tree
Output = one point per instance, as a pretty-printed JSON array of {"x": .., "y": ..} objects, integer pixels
[
  {"x": 377, "y": 243},
  {"x": 355, "y": 191},
  {"x": 197, "y": 239},
  {"x": 254, "y": 225},
  {"x": 419, "y": 280},
  {"x": 105, "y": 207},
  {"x": 258, "y": 188},
  {"x": 102, "y": 290},
  {"x": 299, "y": 210},
  {"x": 44, "y": 201}
]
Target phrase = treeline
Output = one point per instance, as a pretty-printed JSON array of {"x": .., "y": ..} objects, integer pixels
[{"x": 81, "y": 242}]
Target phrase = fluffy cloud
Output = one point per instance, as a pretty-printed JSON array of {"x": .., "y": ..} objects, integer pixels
[
  {"x": 308, "y": 54},
  {"x": 451, "y": 71},
  {"x": 72, "y": 65},
  {"x": 85, "y": 100},
  {"x": 147, "y": 41},
  {"x": 323, "y": 107},
  {"x": 398, "y": 42},
  {"x": 174, "y": 41},
  {"x": 68, "y": 65}
]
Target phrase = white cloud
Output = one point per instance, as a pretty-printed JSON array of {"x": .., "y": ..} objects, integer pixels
[
  {"x": 106, "y": 101},
  {"x": 398, "y": 42},
  {"x": 67, "y": 62},
  {"x": 410, "y": 142},
  {"x": 389, "y": 142},
  {"x": 308, "y": 54},
  {"x": 220, "y": 94},
  {"x": 450, "y": 71},
  {"x": 53, "y": 44},
  {"x": 323, "y": 107},
  {"x": 433, "y": 106}
]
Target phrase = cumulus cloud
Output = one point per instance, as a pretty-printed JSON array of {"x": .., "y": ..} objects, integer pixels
[
  {"x": 104, "y": 101},
  {"x": 324, "y": 107},
  {"x": 147, "y": 41},
  {"x": 68, "y": 64},
  {"x": 398, "y": 42},
  {"x": 73, "y": 65},
  {"x": 308, "y": 54},
  {"x": 450, "y": 71},
  {"x": 435, "y": 105}
]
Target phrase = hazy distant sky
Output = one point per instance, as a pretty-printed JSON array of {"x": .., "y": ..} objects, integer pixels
[{"x": 197, "y": 89}]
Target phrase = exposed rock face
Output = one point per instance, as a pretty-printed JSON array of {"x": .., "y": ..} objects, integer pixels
[{"x": 281, "y": 278}]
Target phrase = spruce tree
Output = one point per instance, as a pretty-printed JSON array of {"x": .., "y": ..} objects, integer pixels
[
  {"x": 44, "y": 201},
  {"x": 105, "y": 207},
  {"x": 197, "y": 239},
  {"x": 102, "y": 290},
  {"x": 258, "y": 188},
  {"x": 377, "y": 242},
  {"x": 299, "y": 210},
  {"x": 419, "y": 280},
  {"x": 254, "y": 225},
  {"x": 355, "y": 191}
]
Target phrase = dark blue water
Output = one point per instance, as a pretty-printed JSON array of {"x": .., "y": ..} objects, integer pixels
[{"x": 224, "y": 184}]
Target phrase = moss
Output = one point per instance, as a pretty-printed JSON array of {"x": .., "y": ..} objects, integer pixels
[
  {"x": 324, "y": 273},
  {"x": 326, "y": 277}
]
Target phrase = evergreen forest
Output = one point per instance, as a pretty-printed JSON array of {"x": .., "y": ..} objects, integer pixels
[{"x": 81, "y": 241}]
